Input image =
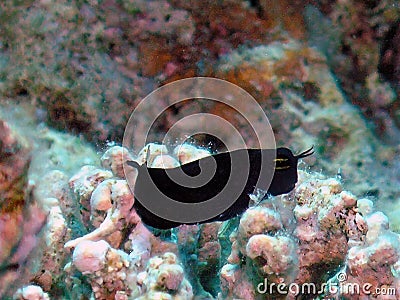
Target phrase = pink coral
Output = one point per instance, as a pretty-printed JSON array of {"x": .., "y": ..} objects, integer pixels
[
  {"x": 371, "y": 265},
  {"x": 284, "y": 249},
  {"x": 164, "y": 273},
  {"x": 108, "y": 269},
  {"x": 114, "y": 159},
  {"x": 90, "y": 257},
  {"x": 118, "y": 215},
  {"x": 14, "y": 164},
  {"x": 31, "y": 292},
  {"x": 295, "y": 238},
  {"x": 278, "y": 253}
]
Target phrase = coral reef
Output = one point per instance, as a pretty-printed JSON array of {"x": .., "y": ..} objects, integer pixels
[
  {"x": 116, "y": 252},
  {"x": 77, "y": 62},
  {"x": 295, "y": 86},
  {"x": 15, "y": 160},
  {"x": 316, "y": 234},
  {"x": 373, "y": 265},
  {"x": 85, "y": 69},
  {"x": 56, "y": 54},
  {"x": 75, "y": 58},
  {"x": 31, "y": 292},
  {"x": 20, "y": 217},
  {"x": 365, "y": 35},
  {"x": 306, "y": 236},
  {"x": 72, "y": 64},
  {"x": 106, "y": 268},
  {"x": 38, "y": 208},
  {"x": 200, "y": 253},
  {"x": 298, "y": 238},
  {"x": 325, "y": 72},
  {"x": 164, "y": 279},
  {"x": 56, "y": 233}
]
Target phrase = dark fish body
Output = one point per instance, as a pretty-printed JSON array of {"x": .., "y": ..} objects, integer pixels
[{"x": 279, "y": 168}]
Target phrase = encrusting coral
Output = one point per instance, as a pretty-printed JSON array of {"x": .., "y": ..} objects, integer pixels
[
  {"x": 115, "y": 225},
  {"x": 21, "y": 219},
  {"x": 15, "y": 160},
  {"x": 372, "y": 267},
  {"x": 306, "y": 236},
  {"x": 68, "y": 60},
  {"x": 294, "y": 82},
  {"x": 40, "y": 213},
  {"x": 164, "y": 279},
  {"x": 107, "y": 269},
  {"x": 311, "y": 235},
  {"x": 31, "y": 292}
]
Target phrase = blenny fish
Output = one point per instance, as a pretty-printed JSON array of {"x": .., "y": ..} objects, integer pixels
[{"x": 148, "y": 180}]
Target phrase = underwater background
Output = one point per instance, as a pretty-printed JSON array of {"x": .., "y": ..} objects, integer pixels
[{"x": 326, "y": 73}]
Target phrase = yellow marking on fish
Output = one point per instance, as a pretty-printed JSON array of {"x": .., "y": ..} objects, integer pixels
[
  {"x": 280, "y": 159},
  {"x": 282, "y": 168}
]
